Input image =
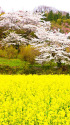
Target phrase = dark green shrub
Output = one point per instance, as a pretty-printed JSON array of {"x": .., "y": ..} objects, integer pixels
[{"x": 59, "y": 63}]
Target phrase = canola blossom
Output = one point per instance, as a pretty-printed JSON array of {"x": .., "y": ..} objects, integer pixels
[{"x": 34, "y": 100}]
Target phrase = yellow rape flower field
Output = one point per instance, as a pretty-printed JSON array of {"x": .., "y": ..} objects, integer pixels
[{"x": 34, "y": 100}]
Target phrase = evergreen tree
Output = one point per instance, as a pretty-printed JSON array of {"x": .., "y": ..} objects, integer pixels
[
  {"x": 67, "y": 16},
  {"x": 55, "y": 17},
  {"x": 50, "y": 16},
  {"x": 59, "y": 15}
]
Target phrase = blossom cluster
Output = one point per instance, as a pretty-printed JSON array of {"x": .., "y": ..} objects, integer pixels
[{"x": 13, "y": 39}]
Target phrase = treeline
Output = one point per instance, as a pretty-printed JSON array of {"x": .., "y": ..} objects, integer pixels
[
  {"x": 58, "y": 21},
  {"x": 55, "y": 16}
]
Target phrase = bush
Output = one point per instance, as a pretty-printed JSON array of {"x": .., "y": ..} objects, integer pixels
[
  {"x": 59, "y": 21},
  {"x": 59, "y": 63},
  {"x": 2, "y": 53},
  {"x": 11, "y": 52},
  {"x": 67, "y": 49},
  {"x": 28, "y": 53},
  {"x": 68, "y": 21}
]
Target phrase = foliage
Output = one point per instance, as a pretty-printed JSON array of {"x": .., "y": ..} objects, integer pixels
[
  {"x": 63, "y": 25},
  {"x": 25, "y": 33},
  {"x": 55, "y": 16},
  {"x": 50, "y": 16},
  {"x": 67, "y": 16},
  {"x": 59, "y": 62},
  {"x": 16, "y": 66},
  {"x": 32, "y": 34},
  {"x": 2, "y": 34},
  {"x": 28, "y": 53},
  {"x": 67, "y": 49},
  {"x": 2, "y": 53},
  {"x": 2, "y": 13},
  {"x": 58, "y": 20},
  {"x": 9, "y": 52}
]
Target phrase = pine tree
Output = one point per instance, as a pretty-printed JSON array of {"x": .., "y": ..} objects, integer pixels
[
  {"x": 50, "y": 16},
  {"x": 67, "y": 16}
]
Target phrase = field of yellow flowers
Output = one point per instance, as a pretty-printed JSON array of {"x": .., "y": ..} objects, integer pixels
[{"x": 34, "y": 100}]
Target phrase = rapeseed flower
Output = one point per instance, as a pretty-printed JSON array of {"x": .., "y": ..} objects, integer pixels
[{"x": 34, "y": 99}]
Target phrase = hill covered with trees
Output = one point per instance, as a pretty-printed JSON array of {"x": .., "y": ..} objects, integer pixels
[{"x": 38, "y": 38}]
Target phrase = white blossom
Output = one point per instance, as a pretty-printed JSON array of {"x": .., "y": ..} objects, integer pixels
[
  {"x": 14, "y": 38},
  {"x": 32, "y": 21}
]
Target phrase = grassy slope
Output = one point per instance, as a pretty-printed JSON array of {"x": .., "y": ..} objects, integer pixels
[
  {"x": 11, "y": 62},
  {"x": 15, "y": 66}
]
